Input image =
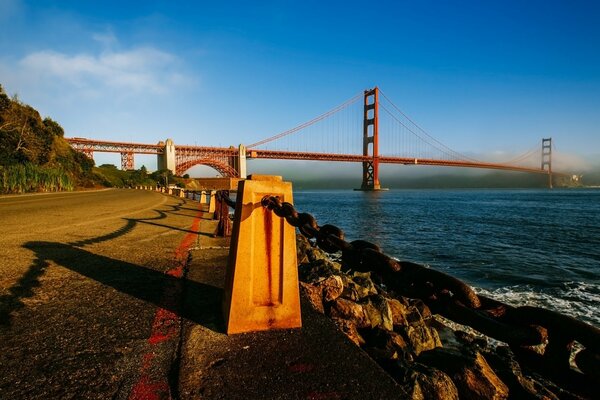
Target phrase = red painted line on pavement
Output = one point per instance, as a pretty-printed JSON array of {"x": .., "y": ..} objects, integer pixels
[{"x": 166, "y": 325}]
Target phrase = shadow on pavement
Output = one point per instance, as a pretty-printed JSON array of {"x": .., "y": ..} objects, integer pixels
[
  {"x": 137, "y": 281},
  {"x": 140, "y": 282},
  {"x": 20, "y": 290}
]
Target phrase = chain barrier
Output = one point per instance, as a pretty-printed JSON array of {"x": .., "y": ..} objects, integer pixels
[
  {"x": 523, "y": 328},
  {"x": 222, "y": 204}
]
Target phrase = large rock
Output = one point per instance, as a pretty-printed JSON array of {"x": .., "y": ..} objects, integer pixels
[
  {"x": 318, "y": 270},
  {"x": 379, "y": 312},
  {"x": 399, "y": 312},
  {"x": 422, "y": 382},
  {"x": 314, "y": 295},
  {"x": 303, "y": 247},
  {"x": 347, "y": 309},
  {"x": 358, "y": 286},
  {"x": 469, "y": 371},
  {"x": 348, "y": 327},
  {"x": 332, "y": 287},
  {"x": 421, "y": 337},
  {"x": 431, "y": 383},
  {"x": 381, "y": 343},
  {"x": 504, "y": 363}
]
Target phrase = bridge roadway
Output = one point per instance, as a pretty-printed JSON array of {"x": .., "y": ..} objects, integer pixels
[
  {"x": 291, "y": 155},
  {"x": 82, "y": 286}
]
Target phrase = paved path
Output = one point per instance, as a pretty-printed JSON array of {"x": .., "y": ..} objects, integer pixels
[
  {"x": 116, "y": 294},
  {"x": 89, "y": 293}
]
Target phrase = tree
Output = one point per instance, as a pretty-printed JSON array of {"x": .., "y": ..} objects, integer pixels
[
  {"x": 163, "y": 176},
  {"x": 53, "y": 127},
  {"x": 28, "y": 140}
]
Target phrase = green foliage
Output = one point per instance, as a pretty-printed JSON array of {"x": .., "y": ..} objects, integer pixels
[
  {"x": 34, "y": 149},
  {"x": 53, "y": 127},
  {"x": 109, "y": 175},
  {"x": 28, "y": 177}
]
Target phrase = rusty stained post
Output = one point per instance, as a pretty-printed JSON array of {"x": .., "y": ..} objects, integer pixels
[
  {"x": 211, "y": 201},
  {"x": 370, "y": 181},
  {"x": 261, "y": 288}
]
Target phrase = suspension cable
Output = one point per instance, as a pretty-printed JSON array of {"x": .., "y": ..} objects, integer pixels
[
  {"x": 311, "y": 122},
  {"x": 447, "y": 150}
]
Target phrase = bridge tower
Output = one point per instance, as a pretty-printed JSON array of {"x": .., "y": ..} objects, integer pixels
[
  {"x": 166, "y": 160},
  {"x": 371, "y": 140},
  {"x": 547, "y": 158},
  {"x": 240, "y": 162}
]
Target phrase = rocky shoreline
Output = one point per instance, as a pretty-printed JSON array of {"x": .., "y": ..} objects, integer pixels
[{"x": 419, "y": 350}]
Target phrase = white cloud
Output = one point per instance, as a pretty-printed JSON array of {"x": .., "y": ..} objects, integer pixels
[{"x": 142, "y": 69}]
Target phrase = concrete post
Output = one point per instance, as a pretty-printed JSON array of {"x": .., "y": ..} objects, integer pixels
[
  {"x": 203, "y": 197},
  {"x": 241, "y": 162},
  {"x": 212, "y": 201},
  {"x": 261, "y": 288}
]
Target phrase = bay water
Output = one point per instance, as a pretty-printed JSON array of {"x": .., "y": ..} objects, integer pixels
[{"x": 523, "y": 247}]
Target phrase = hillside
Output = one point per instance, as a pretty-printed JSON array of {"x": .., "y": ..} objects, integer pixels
[{"x": 34, "y": 155}]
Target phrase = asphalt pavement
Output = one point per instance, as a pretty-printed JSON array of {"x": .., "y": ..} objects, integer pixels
[
  {"x": 116, "y": 294},
  {"x": 89, "y": 293}
]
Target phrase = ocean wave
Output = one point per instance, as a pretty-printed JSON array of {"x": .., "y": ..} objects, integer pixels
[{"x": 580, "y": 300}]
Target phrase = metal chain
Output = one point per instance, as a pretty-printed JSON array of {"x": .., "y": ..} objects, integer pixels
[{"x": 520, "y": 327}]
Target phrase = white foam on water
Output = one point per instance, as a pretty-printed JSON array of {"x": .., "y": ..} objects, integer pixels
[{"x": 580, "y": 300}]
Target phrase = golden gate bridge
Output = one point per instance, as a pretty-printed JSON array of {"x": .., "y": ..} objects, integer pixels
[{"x": 367, "y": 128}]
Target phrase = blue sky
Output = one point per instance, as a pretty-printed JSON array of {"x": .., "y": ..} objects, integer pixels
[{"x": 482, "y": 77}]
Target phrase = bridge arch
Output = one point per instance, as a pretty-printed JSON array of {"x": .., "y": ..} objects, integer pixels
[{"x": 223, "y": 168}]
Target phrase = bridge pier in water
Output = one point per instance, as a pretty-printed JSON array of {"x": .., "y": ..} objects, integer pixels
[
  {"x": 370, "y": 180},
  {"x": 547, "y": 158}
]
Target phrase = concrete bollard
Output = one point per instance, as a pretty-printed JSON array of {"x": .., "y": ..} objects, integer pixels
[
  {"x": 170, "y": 190},
  {"x": 203, "y": 197},
  {"x": 212, "y": 201},
  {"x": 182, "y": 193},
  {"x": 261, "y": 288}
]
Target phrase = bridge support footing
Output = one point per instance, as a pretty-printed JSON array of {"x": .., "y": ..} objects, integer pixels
[
  {"x": 380, "y": 189},
  {"x": 370, "y": 181}
]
